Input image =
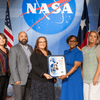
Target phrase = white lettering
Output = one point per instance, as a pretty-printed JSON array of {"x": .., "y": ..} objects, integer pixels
[
  {"x": 30, "y": 8},
  {"x": 44, "y": 8},
  {"x": 67, "y": 8},
  {"x": 55, "y": 6}
]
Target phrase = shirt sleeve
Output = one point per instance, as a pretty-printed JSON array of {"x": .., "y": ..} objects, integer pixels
[
  {"x": 49, "y": 53},
  {"x": 13, "y": 65},
  {"x": 35, "y": 65},
  {"x": 98, "y": 52},
  {"x": 79, "y": 56},
  {"x": 65, "y": 52}
]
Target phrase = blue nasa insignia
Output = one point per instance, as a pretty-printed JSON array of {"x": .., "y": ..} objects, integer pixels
[{"x": 48, "y": 16}]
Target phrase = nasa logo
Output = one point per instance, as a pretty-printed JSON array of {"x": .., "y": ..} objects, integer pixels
[{"x": 48, "y": 16}]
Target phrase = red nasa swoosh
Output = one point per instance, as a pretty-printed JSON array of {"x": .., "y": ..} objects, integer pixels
[
  {"x": 49, "y": 5},
  {"x": 60, "y": 1}
]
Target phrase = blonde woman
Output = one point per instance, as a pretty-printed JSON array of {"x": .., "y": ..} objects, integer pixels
[{"x": 91, "y": 67}]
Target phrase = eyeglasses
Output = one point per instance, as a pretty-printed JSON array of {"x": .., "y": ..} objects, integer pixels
[
  {"x": 72, "y": 41},
  {"x": 42, "y": 42}
]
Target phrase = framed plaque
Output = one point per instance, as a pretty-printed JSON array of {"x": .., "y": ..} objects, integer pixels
[{"x": 56, "y": 65}]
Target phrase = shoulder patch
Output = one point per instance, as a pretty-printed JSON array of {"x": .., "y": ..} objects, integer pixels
[{"x": 79, "y": 48}]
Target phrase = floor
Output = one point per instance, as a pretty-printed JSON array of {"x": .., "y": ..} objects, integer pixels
[{"x": 11, "y": 95}]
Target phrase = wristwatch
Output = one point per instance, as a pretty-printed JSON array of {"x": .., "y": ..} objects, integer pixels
[{"x": 67, "y": 76}]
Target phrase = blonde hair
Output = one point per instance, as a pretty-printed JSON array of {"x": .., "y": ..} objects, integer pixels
[{"x": 97, "y": 37}]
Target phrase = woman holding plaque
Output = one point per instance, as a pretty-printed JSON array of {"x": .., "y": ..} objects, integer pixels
[
  {"x": 4, "y": 69},
  {"x": 72, "y": 84},
  {"x": 42, "y": 84},
  {"x": 91, "y": 67}
]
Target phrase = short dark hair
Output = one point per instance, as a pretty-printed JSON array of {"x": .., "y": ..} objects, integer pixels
[
  {"x": 3, "y": 36},
  {"x": 70, "y": 37}
]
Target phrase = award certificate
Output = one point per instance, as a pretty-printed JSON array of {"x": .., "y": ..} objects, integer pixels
[{"x": 57, "y": 65}]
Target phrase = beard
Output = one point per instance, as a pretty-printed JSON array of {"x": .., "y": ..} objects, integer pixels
[{"x": 23, "y": 42}]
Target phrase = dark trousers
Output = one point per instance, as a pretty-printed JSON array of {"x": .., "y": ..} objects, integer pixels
[
  {"x": 4, "y": 81},
  {"x": 22, "y": 92}
]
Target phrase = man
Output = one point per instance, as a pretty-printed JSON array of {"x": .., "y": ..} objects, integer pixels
[{"x": 20, "y": 66}]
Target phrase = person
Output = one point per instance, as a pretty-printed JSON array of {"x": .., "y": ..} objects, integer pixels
[
  {"x": 91, "y": 67},
  {"x": 72, "y": 84},
  {"x": 20, "y": 66},
  {"x": 4, "y": 68},
  {"x": 42, "y": 84}
]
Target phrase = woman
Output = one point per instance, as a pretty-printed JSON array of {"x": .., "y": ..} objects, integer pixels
[
  {"x": 72, "y": 84},
  {"x": 4, "y": 69},
  {"x": 42, "y": 84},
  {"x": 91, "y": 67},
  {"x": 99, "y": 40}
]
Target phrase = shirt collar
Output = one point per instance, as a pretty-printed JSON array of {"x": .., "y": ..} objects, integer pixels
[
  {"x": 24, "y": 46},
  {"x": 92, "y": 47},
  {"x": 73, "y": 49}
]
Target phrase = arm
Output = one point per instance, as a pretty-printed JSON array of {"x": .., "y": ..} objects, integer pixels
[
  {"x": 95, "y": 79},
  {"x": 13, "y": 65},
  {"x": 73, "y": 69},
  {"x": 36, "y": 68},
  {"x": 35, "y": 64},
  {"x": 82, "y": 69},
  {"x": 77, "y": 63}
]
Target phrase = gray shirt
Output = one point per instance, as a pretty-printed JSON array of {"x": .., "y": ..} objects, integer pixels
[
  {"x": 28, "y": 54},
  {"x": 90, "y": 63}
]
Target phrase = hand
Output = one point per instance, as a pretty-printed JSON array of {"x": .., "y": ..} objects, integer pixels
[
  {"x": 95, "y": 80},
  {"x": 55, "y": 81},
  {"x": 8, "y": 72},
  {"x": 18, "y": 82},
  {"x": 10, "y": 83},
  {"x": 63, "y": 77},
  {"x": 47, "y": 76}
]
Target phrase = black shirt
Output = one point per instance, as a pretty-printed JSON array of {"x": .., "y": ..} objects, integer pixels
[{"x": 39, "y": 66}]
